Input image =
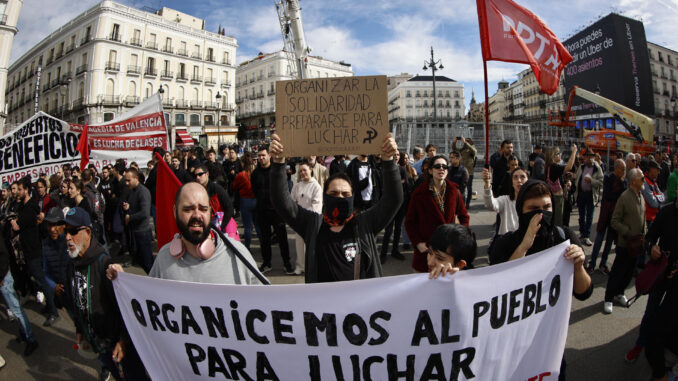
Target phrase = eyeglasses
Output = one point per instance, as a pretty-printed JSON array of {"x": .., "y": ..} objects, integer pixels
[
  {"x": 198, "y": 174},
  {"x": 440, "y": 166},
  {"x": 74, "y": 230},
  {"x": 557, "y": 154}
]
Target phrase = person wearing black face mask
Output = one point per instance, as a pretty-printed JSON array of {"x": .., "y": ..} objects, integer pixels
[
  {"x": 536, "y": 232},
  {"x": 340, "y": 244}
]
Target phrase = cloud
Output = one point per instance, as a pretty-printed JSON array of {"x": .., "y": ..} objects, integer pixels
[{"x": 39, "y": 18}]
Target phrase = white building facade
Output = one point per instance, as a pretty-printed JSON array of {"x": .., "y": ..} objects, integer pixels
[
  {"x": 664, "y": 67},
  {"x": 111, "y": 57},
  {"x": 255, "y": 87},
  {"x": 414, "y": 99},
  {"x": 9, "y": 14}
]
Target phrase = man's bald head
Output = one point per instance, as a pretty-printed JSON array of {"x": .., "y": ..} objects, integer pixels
[
  {"x": 193, "y": 191},
  {"x": 619, "y": 163}
]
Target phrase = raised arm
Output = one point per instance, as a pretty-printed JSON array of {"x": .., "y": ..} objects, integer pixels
[
  {"x": 295, "y": 216},
  {"x": 379, "y": 215}
]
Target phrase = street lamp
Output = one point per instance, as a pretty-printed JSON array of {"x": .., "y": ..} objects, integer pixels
[
  {"x": 64, "y": 91},
  {"x": 432, "y": 64},
  {"x": 218, "y": 120}
]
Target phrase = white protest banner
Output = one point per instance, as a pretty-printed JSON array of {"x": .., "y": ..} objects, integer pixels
[
  {"x": 135, "y": 132},
  {"x": 39, "y": 145},
  {"x": 505, "y": 322}
]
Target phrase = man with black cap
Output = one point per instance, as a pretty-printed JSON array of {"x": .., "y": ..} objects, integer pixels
[
  {"x": 56, "y": 260},
  {"x": 536, "y": 233},
  {"x": 96, "y": 314},
  {"x": 589, "y": 180}
]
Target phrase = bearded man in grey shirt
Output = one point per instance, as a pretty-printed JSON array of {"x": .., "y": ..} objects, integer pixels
[{"x": 197, "y": 254}]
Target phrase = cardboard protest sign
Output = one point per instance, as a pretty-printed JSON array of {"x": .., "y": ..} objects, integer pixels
[
  {"x": 330, "y": 116},
  {"x": 504, "y": 322},
  {"x": 39, "y": 145},
  {"x": 131, "y": 136}
]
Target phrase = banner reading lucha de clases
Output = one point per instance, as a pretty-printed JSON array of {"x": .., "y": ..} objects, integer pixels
[
  {"x": 38, "y": 146},
  {"x": 504, "y": 322},
  {"x": 131, "y": 136}
]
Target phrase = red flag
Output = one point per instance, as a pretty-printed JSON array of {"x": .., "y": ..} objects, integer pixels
[
  {"x": 83, "y": 148},
  {"x": 511, "y": 33},
  {"x": 166, "y": 188}
]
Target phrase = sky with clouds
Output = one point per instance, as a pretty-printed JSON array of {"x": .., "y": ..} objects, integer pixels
[{"x": 378, "y": 36}]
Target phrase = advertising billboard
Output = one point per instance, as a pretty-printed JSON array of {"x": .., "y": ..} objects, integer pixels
[{"x": 610, "y": 55}]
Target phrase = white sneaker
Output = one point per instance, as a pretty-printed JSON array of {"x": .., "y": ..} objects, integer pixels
[
  {"x": 2, "y": 362},
  {"x": 621, "y": 300},
  {"x": 11, "y": 316},
  {"x": 607, "y": 308},
  {"x": 40, "y": 297},
  {"x": 298, "y": 271}
]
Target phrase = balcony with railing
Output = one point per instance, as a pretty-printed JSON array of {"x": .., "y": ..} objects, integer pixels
[
  {"x": 110, "y": 100},
  {"x": 131, "y": 100},
  {"x": 85, "y": 40},
  {"x": 182, "y": 77},
  {"x": 271, "y": 74},
  {"x": 133, "y": 70},
  {"x": 196, "y": 104},
  {"x": 135, "y": 42},
  {"x": 58, "y": 55},
  {"x": 225, "y": 62},
  {"x": 211, "y": 81},
  {"x": 239, "y": 100},
  {"x": 168, "y": 49},
  {"x": 210, "y": 106},
  {"x": 196, "y": 79},
  {"x": 54, "y": 83},
  {"x": 150, "y": 72},
  {"x": 226, "y": 84},
  {"x": 182, "y": 52},
  {"x": 210, "y": 58},
  {"x": 65, "y": 78},
  {"x": 112, "y": 66},
  {"x": 181, "y": 103},
  {"x": 3, "y": 19},
  {"x": 166, "y": 74},
  {"x": 271, "y": 92},
  {"x": 196, "y": 55},
  {"x": 81, "y": 69},
  {"x": 152, "y": 45},
  {"x": 166, "y": 102},
  {"x": 114, "y": 37},
  {"x": 78, "y": 103}
]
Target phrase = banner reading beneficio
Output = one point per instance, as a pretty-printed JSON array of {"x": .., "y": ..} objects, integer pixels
[{"x": 331, "y": 116}]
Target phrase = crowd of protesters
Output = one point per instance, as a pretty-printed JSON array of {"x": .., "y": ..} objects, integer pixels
[{"x": 60, "y": 234}]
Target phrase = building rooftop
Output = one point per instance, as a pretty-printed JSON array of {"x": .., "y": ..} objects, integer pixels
[{"x": 429, "y": 78}]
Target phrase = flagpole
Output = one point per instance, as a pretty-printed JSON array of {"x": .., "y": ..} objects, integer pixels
[{"x": 487, "y": 119}]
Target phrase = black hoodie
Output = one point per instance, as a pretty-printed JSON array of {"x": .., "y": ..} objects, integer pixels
[
  {"x": 506, "y": 244},
  {"x": 96, "y": 311}
]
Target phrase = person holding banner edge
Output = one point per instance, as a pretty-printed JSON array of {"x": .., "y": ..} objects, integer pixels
[
  {"x": 537, "y": 232},
  {"x": 338, "y": 236}
]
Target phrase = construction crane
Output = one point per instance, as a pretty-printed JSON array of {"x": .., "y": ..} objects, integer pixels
[
  {"x": 640, "y": 135},
  {"x": 289, "y": 15}
]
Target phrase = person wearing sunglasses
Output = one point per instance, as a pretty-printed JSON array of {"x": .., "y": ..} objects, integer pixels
[
  {"x": 220, "y": 202},
  {"x": 436, "y": 201}
]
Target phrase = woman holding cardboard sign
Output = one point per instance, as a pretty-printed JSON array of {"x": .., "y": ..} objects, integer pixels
[{"x": 340, "y": 244}]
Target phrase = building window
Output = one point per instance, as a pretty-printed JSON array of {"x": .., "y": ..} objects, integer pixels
[
  {"x": 179, "y": 120},
  {"x": 209, "y": 120},
  {"x": 195, "y": 119},
  {"x": 108, "y": 116}
]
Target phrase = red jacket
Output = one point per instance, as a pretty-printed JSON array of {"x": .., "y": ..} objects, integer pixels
[{"x": 424, "y": 216}]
